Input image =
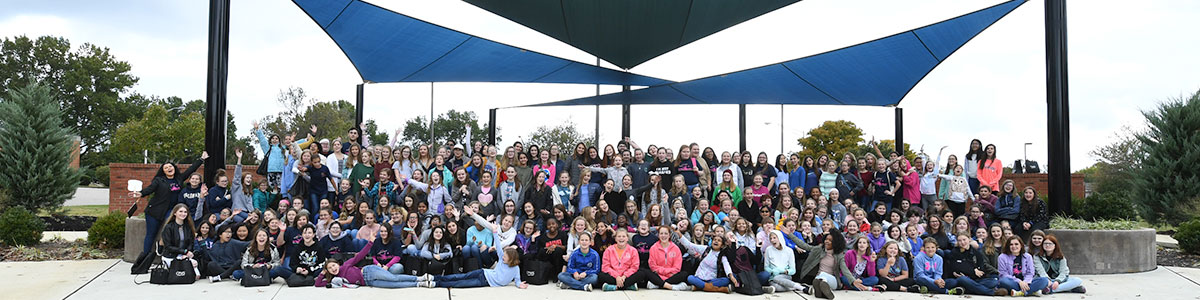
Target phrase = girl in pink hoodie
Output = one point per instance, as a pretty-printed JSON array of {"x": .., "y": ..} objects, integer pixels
[
  {"x": 665, "y": 263},
  {"x": 619, "y": 268}
]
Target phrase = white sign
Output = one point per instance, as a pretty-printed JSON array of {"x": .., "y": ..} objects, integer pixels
[{"x": 135, "y": 185}]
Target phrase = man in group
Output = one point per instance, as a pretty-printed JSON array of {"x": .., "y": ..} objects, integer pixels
[
  {"x": 353, "y": 137},
  {"x": 458, "y": 160},
  {"x": 638, "y": 167}
]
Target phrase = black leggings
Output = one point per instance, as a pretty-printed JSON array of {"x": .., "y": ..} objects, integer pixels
[
  {"x": 215, "y": 269},
  {"x": 893, "y": 286},
  {"x": 555, "y": 259},
  {"x": 638, "y": 278},
  {"x": 652, "y": 277}
]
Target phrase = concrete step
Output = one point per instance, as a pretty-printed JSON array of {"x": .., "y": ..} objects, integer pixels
[
  {"x": 1166, "y": 241},
  {"x": 70, "y": 236}
]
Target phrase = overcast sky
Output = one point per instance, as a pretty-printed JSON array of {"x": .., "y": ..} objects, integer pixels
[{"x": 1125, "y": 57}]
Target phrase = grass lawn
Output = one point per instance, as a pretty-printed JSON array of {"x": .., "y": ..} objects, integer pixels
[{"x": 83, "y": 210}]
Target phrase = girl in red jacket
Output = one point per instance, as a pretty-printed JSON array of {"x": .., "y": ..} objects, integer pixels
[
  {"x": 619, "y": 269},
  {"x": 665, "y": 263}
]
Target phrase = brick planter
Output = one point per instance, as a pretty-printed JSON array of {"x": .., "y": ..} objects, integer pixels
[
  {"x": 1107, "y": 251},
  {"x": 120, "y": 174}
]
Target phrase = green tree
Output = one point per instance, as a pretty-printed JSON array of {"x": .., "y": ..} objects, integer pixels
[
  {"x": 86, "y": 83},
  {"x": 831, "y": 138},
  {"x": 373, "y": 132},
  {"x": 448, "y": 126},
  {"x": 1167, "y": 176},
  {"x": 162, "y": 137},
  {"x": 36, "y": 150},
  {"x": 332, "y": 119},
  {"x": 180, "y": 124},
  {"x": 564, "y": 135},
  {"x": 886, "y": 147},
  {"x": 1116, "y": 163}
]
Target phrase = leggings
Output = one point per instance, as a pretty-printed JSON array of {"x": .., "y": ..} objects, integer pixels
[
  {"x": 215, "y": 269},
  {"x": 638, "y": 278},
  {"x": 554, "y": 258},
  {"x": 700, "y": 283},
  {"x": 152, "y": 226},
  {"x": 893, "y": 286},
  {"x": 475, "y": 278},
  {"x": 654, "y": 278}
]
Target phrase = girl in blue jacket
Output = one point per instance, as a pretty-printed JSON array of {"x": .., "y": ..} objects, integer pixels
[{"x": 582, "y": 266}]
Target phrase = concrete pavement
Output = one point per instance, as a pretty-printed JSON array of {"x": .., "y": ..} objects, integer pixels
[
  {"x": 49, "y": 279},
  {"x": 88, "y": 196},
  {"x": 57, "y": 279}
]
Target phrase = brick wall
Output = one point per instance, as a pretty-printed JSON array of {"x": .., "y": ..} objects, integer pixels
[
  {"x": 1039, "y": 182},
  {"x": 120, "y": 174}
]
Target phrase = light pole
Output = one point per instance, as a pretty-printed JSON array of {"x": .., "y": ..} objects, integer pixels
[{"x": 1025, "y": 163}]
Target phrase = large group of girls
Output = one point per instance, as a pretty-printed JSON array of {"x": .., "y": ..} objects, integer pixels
[{"x": 348, "y": 214}]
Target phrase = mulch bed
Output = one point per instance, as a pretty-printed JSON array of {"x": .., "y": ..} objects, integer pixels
[
  {"x": 68, "y": 223},
  {"x": 1175, "y": 258},
  {"x": 57, "y": 250}
]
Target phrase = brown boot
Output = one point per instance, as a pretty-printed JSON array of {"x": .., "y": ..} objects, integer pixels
[
  {"x": 1001, "y": 292},
  {"x": 723, "y": 289},
  {"x": 708, "y": 287}
]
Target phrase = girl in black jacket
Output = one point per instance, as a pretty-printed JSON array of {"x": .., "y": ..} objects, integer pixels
[
  {"x": 178, "y": 237},
  {"x": 164, "y": 192}
]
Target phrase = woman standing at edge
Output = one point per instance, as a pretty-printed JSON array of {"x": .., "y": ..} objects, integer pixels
[
  {"x": 971, "y": 162},
  {"x": 990, "y": 169},
  {"x": 163, "y": 190}
]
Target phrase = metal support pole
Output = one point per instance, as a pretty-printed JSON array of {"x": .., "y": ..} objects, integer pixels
[
  {"x": 900, "y": 131},
  {"x": 781, "y": 130},
  {"x": 358, "y": 106},
  {"x": 1057, "y": 110},
  {"x": 491, "y": 126},
  {"x": 215, "y": 119},
  {"x": 742, "y": 127},
  {"x": 431, "y": 114},
  {"x": 597, "y": 136},
  {"x": 625, "y": 125}
]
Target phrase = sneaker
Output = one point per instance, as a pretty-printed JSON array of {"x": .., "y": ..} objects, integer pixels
[
  {"x": 587, "y": 288},
  {"x": 1016, "y": 293},
  {"x": 1046, "y": 291},
  {"x": 923, "y": 289},
  {"x": 806, "y": 289},
  {"x": 608, "y": 287},
  {"x": 879, "y": 288},
  {"x": 681, "y": 287},
  {"x": 426, "y": 284},
  {"x": 350, "y": 286},
  {"x": 426, "y": 277},
  {"x": 823, "y": 290},
  {"x": 956, "y": 291},
  {"x": 632, "y": 287},
  {"x": 768, "y": 289},
  {"x": 214, "y": 278},
  {"x": 916, "y": 289},
  {"x": 1079, "y": 289},
  {"x": 652, "y": 286},
  {"x": 561, "y": 286}
]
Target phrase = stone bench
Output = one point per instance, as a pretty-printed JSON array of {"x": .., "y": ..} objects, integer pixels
[
  {"x": 135, "y": 234},
  {"x": 1108, "y": 251}
]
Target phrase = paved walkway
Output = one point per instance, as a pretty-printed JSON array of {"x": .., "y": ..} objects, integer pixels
[
  {"x": 110, "y": 279},
  {"x": 88, "y": 196}
]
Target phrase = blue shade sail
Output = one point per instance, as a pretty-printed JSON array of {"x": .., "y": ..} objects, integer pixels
[
  {"x": 628, "y": 33},
  {"x": 875, "y": 73},
  {"x": 386, "y": 46}
]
